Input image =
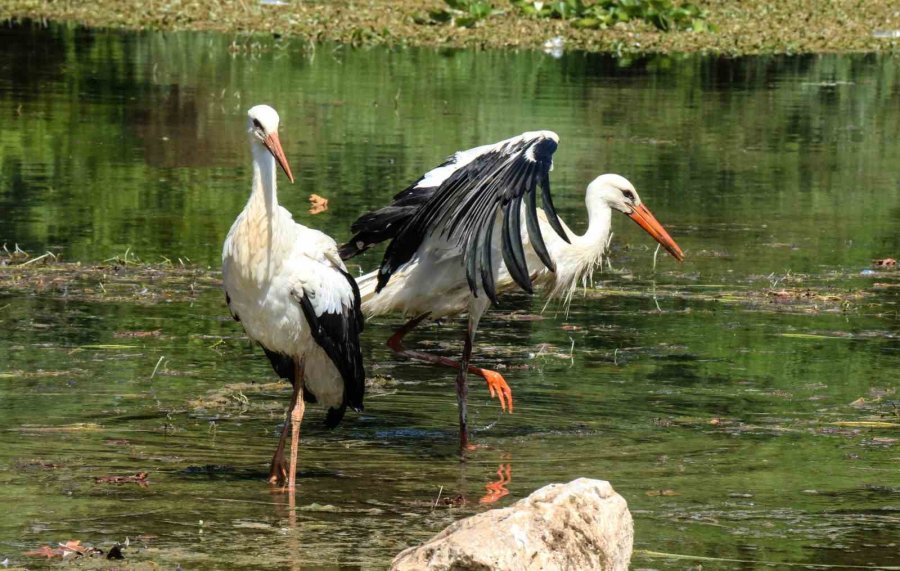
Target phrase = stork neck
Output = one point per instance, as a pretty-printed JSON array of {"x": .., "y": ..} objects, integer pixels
[
  {"x": 264, "y": 188},
  {"x": 599, "y": 223}
]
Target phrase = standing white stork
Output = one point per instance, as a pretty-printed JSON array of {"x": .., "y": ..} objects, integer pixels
[
  {"x": 458, "y": 238},
  {"x": 289, "y": 288}
]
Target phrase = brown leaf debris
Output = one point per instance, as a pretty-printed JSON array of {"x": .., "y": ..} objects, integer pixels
[
  {"x": 72, "y": 547},
  {"x": 317, "y": 204},
  {"x": 140, "y": 478}
]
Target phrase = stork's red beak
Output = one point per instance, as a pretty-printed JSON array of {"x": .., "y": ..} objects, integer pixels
[
  {"x": 651, "y": 225},
  {"x": 273, "y": 143}
]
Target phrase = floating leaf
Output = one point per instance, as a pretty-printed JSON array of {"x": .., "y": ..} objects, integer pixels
[{"x": 317, "y": 204}]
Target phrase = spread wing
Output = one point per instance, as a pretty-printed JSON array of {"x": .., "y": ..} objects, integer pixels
[{"x": 464, "y": 200}]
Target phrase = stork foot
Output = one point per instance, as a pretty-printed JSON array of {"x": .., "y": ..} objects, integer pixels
[
  {"x": 278, "y": 472},
  {"x": 499, "y": 388}
]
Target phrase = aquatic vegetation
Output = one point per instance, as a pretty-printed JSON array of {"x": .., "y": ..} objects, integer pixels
[
  {"x": 664, "y": 15},
  {"x": 738, "y": 26},
  {"x": 145, "y": 284},
  {"x": 462, "y": 13}
]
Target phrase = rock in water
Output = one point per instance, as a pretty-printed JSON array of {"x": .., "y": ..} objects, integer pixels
[{"x": 584, "y": 524}]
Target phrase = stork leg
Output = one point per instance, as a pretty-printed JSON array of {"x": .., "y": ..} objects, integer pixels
[
  {"x": 476, "y": 309},
  {"x": 277, "y": 471},
  {"x": 296, "y": 418},
  {"x": 495, "y": 381},
  {"x": 462, "y": 389}
]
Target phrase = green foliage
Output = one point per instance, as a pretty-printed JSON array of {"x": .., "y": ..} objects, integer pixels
[
  {"x": 665, "y": 15},
  {"x": 462, "y": 13}
]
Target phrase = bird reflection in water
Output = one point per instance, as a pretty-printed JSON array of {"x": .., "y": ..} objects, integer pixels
[{"x": 497, "y": 489}]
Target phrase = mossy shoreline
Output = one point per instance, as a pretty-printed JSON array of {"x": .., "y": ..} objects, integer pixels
[{"x": 741, "y": 27}]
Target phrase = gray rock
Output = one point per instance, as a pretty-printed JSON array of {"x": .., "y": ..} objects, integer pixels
[{"x": 584, "y": 524}]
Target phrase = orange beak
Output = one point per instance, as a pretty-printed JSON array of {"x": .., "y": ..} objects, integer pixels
[
  {"x": 651, "y": 225},
  {"x": 273, "y": 143}
]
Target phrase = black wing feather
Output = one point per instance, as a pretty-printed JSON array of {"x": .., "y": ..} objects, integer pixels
[
  {"x": 384, "y": 224},
  {"x": 464, "y": 205},
  {"x": 547, "y": 201},
  {"x": 486, "y": 263},
  {"x": 285, "y": 368},
  {"x": 338, "y": 335},
  {"x": 534, "y": 232},
  {"x": 509, "y": 238}
]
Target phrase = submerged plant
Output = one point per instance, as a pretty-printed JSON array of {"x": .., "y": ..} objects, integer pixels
[{"x": 665, "y": 15}]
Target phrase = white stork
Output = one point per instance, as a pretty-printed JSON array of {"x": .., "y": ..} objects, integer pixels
[
  {"x": 457, "y": 238},
  {"x": 288, "y": 287}
]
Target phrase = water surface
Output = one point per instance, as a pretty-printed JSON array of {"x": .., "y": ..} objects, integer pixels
[{"x": 717, "y": 409}]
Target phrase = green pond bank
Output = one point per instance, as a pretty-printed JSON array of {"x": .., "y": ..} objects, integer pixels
[{"x": 736, "y": 27}]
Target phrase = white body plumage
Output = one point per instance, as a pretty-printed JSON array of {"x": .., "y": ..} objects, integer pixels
[
  {"x": 259, "y": 285},
  {"x": 268, "y": 260}
]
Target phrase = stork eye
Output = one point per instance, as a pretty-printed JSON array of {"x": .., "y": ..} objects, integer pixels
[
  {"x": 628, "y": 194},
  {"x": 257, "y": 124}
]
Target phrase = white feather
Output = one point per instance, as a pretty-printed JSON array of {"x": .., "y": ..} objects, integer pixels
[{"x": 266, "y": 257}]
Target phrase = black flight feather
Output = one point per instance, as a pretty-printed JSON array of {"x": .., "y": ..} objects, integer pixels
[
  {"x": 286, "y": 368},
  {"x": 534, "y": 232},
  {"x": 552, "y": 217},
  {"x": 384, "y": 224},
  {"x": 509, "y": 236},
  {"x": 463, "y": 204},
  {"x": 487, "y": 266},
  {"x": 338, "y": 335}
]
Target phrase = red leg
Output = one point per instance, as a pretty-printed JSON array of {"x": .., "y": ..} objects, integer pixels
[
  {"x": 296, "y": 419},
  {"x": 495, "y": 381},
  {"x": 277, "y": 471}
]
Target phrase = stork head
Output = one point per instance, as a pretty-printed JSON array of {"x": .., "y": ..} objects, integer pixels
[
  {"x": 262, "y": 127},
  {"x": 616, "y": 192}
]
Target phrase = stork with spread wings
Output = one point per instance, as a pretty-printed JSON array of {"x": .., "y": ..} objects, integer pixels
[{"x": 471, "y": 228}]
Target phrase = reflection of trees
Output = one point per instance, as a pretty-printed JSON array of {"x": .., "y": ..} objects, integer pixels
[
  {"x": 22, "y": 51},
  {"x": 136, "y": 139}
]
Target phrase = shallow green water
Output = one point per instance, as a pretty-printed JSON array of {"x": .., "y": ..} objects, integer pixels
[{"x": 712, "y": 408}]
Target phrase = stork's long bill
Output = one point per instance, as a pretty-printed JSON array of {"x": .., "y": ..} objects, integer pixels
[
  {"x": 273, "y": 143},
  {"x": 651, "y": 225}
]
